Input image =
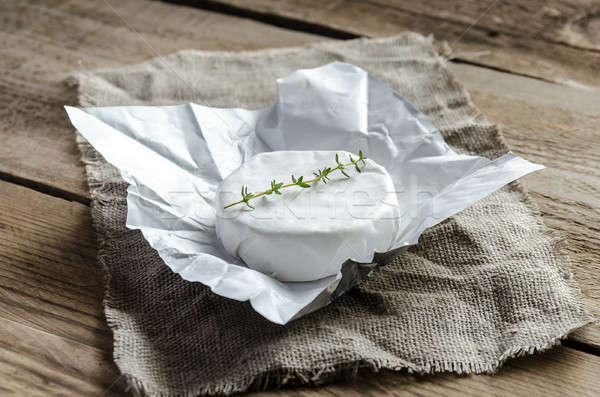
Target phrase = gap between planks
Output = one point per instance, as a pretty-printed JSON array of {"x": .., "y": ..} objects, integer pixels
[
  {"x": 273, "y": 19},
  {"x": 300, "y": 25},
  {"x": 548, "y": 40},
  {"x": 44, "y": 188}
]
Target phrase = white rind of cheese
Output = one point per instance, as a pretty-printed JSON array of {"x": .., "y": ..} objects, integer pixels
[{"x": 306, "y": 234}]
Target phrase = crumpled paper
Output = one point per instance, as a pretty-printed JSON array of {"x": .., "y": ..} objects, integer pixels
[{"x": 174, "y": 158}]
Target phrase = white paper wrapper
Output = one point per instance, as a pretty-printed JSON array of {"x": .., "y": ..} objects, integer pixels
[{"x": 174, "y": 158}]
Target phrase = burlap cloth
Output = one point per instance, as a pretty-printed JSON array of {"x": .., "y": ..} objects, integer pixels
[{"x": 483, "y": 286}]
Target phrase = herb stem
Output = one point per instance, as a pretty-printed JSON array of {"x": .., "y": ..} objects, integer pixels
[{"x": 322, "y": 175}]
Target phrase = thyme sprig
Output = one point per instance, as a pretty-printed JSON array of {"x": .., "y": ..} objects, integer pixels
[{"x": 321, "y": 175}]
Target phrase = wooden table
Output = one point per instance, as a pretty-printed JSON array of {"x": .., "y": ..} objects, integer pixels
[{"x": 533, "y": 67}]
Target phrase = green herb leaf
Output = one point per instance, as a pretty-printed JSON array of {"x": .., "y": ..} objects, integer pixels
[{"x": 321, "y": 175}]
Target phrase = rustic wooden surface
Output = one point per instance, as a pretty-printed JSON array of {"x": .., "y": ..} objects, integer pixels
[
  {"x": 538, "y": 77},
  {"x": 547, "y": 39}
]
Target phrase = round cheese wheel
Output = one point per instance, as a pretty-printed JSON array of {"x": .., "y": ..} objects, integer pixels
[{"x": 306, "y": 234}]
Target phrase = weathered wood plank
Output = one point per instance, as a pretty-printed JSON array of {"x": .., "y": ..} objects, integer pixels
[
  {"x": 49, "y": 278},
  {"x": 567, "y": 22},
  {"x": 37, "y": 363},
  {"x": 42, "y": 42},
  {"x": 558, "y": 128},
  {"x": 551, "y": 40},
  {"x": 561, "y": 371}
]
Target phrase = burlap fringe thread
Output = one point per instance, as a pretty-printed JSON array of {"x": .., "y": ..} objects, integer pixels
[{"x": 277, "y": 378}]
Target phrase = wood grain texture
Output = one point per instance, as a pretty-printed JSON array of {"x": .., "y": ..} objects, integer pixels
[
  {"x": 557, "y": 127},
  {"x": 53, "y": 336},
  {"x": 42, "y": 42},
  {"x": 556, "y": 373},
  {"x": 551, "y": 40},
  {"x": 49, "y": 278},
  {"x": 37, "y": 363}
]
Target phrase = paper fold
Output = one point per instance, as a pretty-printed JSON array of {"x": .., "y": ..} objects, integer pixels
[{"x": 174, "y": 158}]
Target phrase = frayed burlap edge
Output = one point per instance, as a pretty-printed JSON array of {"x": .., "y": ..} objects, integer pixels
[{"x": 277, "y": 378}]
